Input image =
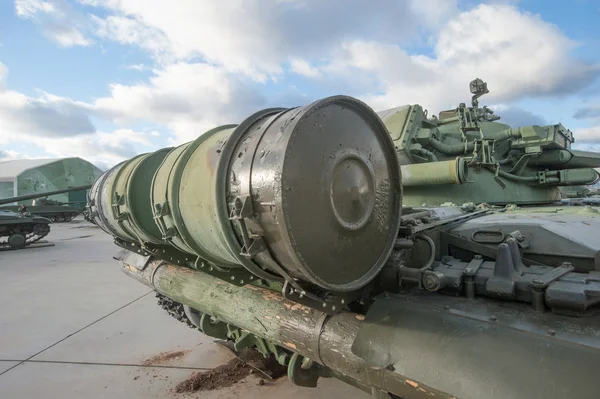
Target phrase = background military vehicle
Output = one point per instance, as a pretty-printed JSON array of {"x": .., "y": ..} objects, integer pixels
[
  {"x": 53, "y": 210},
  {"x": 20, "y": 230},
  {"x": 21, "y": 227},
  {"x": 287, "y": 234}
]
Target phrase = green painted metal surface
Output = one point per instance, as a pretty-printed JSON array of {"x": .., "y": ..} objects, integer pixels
[
  {"x": 522, "y": 164},
  {"x": 184, "y": 195},
  {"x": 105, "y": 201},
  {"x": 131, "y": 196}
]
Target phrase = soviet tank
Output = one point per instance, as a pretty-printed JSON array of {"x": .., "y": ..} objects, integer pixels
[
  {"x": 20, "y": 230},
  {"x": 296, "y": 233},
  {"x": 19, "y": 226},
  {"x": 56, "y": 211}
]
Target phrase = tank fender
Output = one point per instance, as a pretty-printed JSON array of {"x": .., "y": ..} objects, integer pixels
[{"x": 476, "y": 349}]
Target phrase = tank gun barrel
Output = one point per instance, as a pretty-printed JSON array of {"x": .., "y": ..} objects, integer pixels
[
  {"x": 5, "y": 201},
  {"x": 584, "y": 159}
]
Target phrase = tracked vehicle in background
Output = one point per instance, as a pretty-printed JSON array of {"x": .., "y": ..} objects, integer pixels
[
  {"x": 56, "y": 211},
  {"x": 20, "y": 227},
  {"x": 327, "y": 237},
  {"x": 18, "y": 231}
]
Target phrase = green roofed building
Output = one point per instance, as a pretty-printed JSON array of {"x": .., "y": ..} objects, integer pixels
[{"x": 33, "y": 176}]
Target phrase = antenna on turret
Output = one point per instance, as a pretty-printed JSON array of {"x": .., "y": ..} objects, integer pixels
[{"x": 478, "y": 87}]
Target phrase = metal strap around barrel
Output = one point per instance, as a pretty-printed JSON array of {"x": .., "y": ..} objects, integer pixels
[
  {"x": 98, "y": 204},
  {"x": 242, "y": 205},
  {"x": 254, "y": 245},
  {"x": 167, "y": 232},
  {"x": 314, "y": 343}
]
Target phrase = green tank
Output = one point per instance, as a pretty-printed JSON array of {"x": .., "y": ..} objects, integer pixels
[
  {"x": 55, "y": 211},
  {"x": 19, "y": 230},
  {"x": 301, "y": 233},
  {"x": 21, "y": 225}
]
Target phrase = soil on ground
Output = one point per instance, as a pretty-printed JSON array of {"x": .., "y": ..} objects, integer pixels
[
  {"x": 232, "y": 372},
  {"x": 164, "y": 357}
]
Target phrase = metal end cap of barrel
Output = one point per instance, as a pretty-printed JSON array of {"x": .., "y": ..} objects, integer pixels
[{"x": 341, "y": 193}]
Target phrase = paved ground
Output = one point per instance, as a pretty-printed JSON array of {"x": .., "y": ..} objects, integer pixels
[{"x": 72, "y": 325}]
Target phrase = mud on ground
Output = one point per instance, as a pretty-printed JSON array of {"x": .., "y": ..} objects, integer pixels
[{"x": 232, "y": 372}]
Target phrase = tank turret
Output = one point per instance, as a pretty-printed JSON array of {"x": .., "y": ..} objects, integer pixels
[{"x": 468, "y": 155}]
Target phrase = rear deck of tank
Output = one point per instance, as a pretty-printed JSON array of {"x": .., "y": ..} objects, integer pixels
[{"x": 72, "y": 325}]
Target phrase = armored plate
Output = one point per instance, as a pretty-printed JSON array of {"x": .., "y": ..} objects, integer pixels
[
  {"x": 555, "y": 234},
  {"x": 481, "y": 349}
]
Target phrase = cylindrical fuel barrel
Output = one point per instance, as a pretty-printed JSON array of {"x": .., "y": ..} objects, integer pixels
[
  {"x": 122, "y": 199},
  {"x": 312, "y": 193}
]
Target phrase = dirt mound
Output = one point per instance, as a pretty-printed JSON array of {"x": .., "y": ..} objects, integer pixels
[{"x": 230, "y": 373}]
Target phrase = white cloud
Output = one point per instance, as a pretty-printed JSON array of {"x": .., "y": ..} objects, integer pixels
[
  {"x": 303, "y": 67},
  {"x": 62, "y": 127},
  {"x": 136, "y": 67},
  {"x": 104, "y": 149},
  {"x": 531, "y": 58},
  {"x": 252, "y": 37},
  {"x": 432, "y": 13},
  {"x": 209, "y": 56},
  {"x": 50, "y": 116},
  {"x": 30, "y": 8},
  {"x": 58, "y": 20},
  {"x": 189, "y": 98},
  {"x": 587, "y": 135},
  {"x": 67, "y": 37},
  {"x": 127, "y": 30},
  {"x": 7, "y": 155}
]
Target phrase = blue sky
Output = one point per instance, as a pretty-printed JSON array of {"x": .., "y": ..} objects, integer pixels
[{"x": 106, "y": 80}]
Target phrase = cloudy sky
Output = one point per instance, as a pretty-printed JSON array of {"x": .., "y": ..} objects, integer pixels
[{"x": 108, "y": 79}]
